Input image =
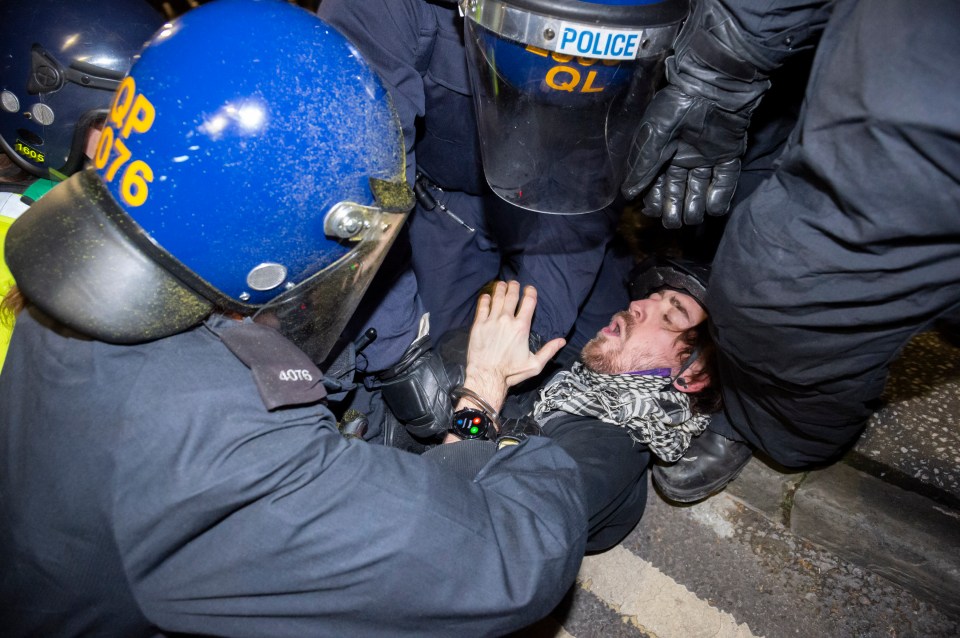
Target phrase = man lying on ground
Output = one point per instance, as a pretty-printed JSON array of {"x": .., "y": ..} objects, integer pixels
[{"x": 643, "y": 388}]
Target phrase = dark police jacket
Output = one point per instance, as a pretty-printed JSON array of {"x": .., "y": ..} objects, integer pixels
[
  {"x": 146, "y": 489},
  {"x": 834, "y": 263}
]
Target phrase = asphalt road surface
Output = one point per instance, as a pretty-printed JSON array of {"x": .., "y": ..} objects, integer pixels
[{"x": 718, "y": 569}]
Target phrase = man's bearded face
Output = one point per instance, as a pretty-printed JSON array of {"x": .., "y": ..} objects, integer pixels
[{"x": 645, "y": 336}]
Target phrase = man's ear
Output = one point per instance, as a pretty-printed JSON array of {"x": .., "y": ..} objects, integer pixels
[{"x": 686, "y": 383}]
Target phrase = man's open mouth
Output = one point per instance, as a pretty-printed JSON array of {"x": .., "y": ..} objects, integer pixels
[{"x": 616, "y": 328}]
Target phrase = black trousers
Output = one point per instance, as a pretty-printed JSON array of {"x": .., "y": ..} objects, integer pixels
[
  {"x": 614, "y": 470},
  {"x": 853, "y": 245}
]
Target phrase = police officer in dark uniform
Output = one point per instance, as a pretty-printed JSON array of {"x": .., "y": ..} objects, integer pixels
[
  {"x": 850, "y": 249},
  {"x": 169, "y": 464},
  {"x": 511, "y": 131}
]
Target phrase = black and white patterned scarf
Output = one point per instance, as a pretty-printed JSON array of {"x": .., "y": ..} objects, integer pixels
[{"x": 659, "y": 418}]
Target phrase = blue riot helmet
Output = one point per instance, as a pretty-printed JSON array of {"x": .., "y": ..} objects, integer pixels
[
  {"x": 559, "y": 88},
  {"x": 251, "y": 162},
  {"x": 60, "y": 62}
]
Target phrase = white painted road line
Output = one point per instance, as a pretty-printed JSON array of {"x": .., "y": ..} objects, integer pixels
[{"x": 652, "y": 601}]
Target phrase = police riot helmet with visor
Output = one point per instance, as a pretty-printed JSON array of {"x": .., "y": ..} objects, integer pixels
[
  {"x": 225, "y": 178},
  {"x": 60, "y": 63}
]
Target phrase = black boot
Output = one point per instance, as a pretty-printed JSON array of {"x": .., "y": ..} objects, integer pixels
[{"x": 708, "y": 465}]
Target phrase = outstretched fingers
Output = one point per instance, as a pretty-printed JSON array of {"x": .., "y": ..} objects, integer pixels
[
  {"x": 527, "y": 304},
  {"x": 497, "y": 298},
  {"x": 504, "y": 299},
  {"x": 512, "y": 298},
  {"x": 483, "y": 308}
]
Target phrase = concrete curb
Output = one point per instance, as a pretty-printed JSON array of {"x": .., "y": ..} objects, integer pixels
[{"x": 910, "y": 539}]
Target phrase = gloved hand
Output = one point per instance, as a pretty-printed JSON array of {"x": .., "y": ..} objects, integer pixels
[
  {"x": 694, "y": 131},
  {"x": 417, "y": 389}
]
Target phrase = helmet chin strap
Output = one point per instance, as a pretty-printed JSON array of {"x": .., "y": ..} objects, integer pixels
[
  {"x": 654, "y": 372},
  {"x": 683, "y": 368}
]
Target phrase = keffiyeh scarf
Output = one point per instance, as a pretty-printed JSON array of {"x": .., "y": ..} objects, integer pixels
[{"x": 659, "y": 418}]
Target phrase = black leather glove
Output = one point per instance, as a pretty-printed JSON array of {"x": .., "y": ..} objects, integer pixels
[
  {"x": 694, "y": 131},
  {"x": 417, "y": 389},
  {"x": 515, "y": 431}
]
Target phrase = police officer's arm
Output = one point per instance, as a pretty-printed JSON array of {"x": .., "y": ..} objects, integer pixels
[
  {"x": 688, "y": 146},
  {"x": 274, "y": 525}
]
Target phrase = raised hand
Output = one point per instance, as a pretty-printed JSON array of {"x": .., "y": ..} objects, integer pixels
[{"x": 498, "y": 355}]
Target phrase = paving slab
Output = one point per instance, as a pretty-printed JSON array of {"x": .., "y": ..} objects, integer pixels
[{"x": 914, "y": 440}]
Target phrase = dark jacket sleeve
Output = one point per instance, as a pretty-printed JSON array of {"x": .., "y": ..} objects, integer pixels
[
  {"x": 614, "y": 468},
  {"x": 831, "y": 266},
  {"x": 271, "y": 524},
  {"x": 783, "y": 26}
]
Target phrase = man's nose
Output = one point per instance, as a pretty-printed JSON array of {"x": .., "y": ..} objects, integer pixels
[
  {"x": 641, "y": 307},
  {"x": 650, "y": 306}
]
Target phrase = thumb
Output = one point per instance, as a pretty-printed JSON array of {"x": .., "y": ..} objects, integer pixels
[
  {"x": 650, "y": 151},
  {"x": 549, "y": 351},
  {"x": 542, "y": 357}
]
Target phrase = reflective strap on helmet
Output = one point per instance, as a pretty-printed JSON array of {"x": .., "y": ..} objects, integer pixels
[{"x": 550, "y": 31}]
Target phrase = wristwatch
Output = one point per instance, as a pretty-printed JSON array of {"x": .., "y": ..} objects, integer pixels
[{"x": 472, "y": 424}]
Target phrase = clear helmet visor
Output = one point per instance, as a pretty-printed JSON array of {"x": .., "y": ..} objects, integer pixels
[
  {"x": 558, "y": 103},
  {"x": 314, "y": 313}
]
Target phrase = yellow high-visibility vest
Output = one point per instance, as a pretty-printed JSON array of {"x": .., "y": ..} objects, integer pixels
[{"x": 12, "y": 205}]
